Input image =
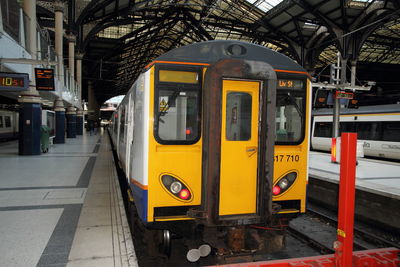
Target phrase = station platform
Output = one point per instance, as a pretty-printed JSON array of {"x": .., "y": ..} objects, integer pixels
[
  {"x": 377, "y": 187},
  {"x": 63, "y": 208},
  {"x": 375, "y": 176}
]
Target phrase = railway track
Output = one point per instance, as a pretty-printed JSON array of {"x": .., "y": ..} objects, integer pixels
[{"x": 317, "y": 228}]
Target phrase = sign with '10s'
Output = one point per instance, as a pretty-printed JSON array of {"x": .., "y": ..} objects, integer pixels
[{"x": 14, "y": 81}]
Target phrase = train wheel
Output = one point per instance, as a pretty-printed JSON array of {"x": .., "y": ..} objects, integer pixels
[{"x": 165, "y": 246}]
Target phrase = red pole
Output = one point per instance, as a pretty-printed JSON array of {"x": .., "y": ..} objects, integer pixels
[{"x": 344, "y": 245}]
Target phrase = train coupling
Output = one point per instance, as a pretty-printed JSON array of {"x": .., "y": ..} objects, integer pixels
[{"x": 197, "y": 214}]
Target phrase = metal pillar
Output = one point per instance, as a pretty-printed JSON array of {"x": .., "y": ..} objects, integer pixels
[
  {"x": 71, "y": 122},
  {"x": 59, "y": 32},
  {"x": 336, "y": 105},
  {"x": 30, "y": 115},
  {"x": 336, "y": 108},
  {"x": 79, "y": 121},
  {"x": 60, "y": 121},
  {"x": 353, "y": 72}
]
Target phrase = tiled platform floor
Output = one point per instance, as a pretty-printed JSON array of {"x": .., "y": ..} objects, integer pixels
[{"x": 63, "y": 208}]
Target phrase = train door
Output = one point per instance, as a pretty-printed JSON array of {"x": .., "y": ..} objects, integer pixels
[
  {"x": 129, "y": 134},
  {"x": 239, "y": 147}
]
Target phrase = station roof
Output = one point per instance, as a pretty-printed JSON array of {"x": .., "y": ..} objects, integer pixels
[{"x": 120, "y": 37}]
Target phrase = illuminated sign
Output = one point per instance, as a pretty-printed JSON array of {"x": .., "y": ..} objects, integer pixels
[
  {"x": 44, "y": 79},
  {"x": 343, "y": 95},
  {"x": 290, "y": 84},
  {"x": 14, "y": 81}
]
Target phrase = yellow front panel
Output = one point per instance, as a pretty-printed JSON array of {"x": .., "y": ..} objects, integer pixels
[
  {"x": 239, "y": 152},
  {"x": 183, "y": 161},
  {"x": 294, "y": 157}
]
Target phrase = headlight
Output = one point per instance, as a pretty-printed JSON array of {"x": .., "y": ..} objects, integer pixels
[
  {"x": 283, "y": 183},
  {"x": 175, "y": 187}
]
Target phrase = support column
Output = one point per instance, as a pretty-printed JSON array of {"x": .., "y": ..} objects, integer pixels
[
  {"x": 79, "y": 121},
  {"x": 60, "y": 121},
  {"x": 59, "y": 33},
  {"x": 71, "y": 122},
  {"x": 30, "y": 114},
  {"x": 79, "y": 57},
  {"x": 30, "y": 121},
  {"x": 71, "y": 54}
]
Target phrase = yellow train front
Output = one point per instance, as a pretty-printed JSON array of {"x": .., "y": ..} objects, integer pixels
[{"x": 196, "y": 135}]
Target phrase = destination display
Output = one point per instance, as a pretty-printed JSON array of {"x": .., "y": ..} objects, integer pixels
[
  {"x": 14, "y": 81},
  {"x": 44, "y": 79},
  {"x": 290, "y": 84}
]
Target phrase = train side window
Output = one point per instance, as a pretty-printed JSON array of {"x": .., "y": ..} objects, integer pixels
[
  {"x": 347, "y": 127},
  {"x": 238, "y": 116},
  {"x": 391, "y": 131},
  {"x": 368, "y": 130},
  {"x": 376, "y": 130},
  {"x": 7, "y": 121},
  {"x": 122, "y": 124},
  {"x": 1, "y": 122},
  {"x": 323, "y": 129},
  {"x": 116, "y": 123},
  {"x": 363, "y": 130}
]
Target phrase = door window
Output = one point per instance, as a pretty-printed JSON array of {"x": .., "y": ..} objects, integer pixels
[{"x": 238, "y": 116}]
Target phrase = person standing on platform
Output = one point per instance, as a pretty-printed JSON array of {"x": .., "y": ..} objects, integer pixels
[
  {"x": 90, "y": 126},
  {"x": 95, "y": 126}
]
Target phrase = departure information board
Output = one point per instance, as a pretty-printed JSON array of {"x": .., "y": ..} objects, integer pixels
[
  {"x": 343, "y": 95},
  {"x": 14, "y": 81},
  {"x": 44, "y": 79}
]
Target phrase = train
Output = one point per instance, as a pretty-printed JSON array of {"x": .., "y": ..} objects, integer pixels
[
  {"x": 213, "y": 138},
  {"x": 378, "y": 127},
  {"x": 8, "y": 124}
]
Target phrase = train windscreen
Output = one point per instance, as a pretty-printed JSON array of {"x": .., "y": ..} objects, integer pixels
[
  {"x": 290, "y": 119},
  {"x": 177, "y": 106}
]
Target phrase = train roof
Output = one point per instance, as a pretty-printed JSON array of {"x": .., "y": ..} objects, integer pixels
[
  {"x": 213, "y": 51},
  {"x": 392, "y": 108}
]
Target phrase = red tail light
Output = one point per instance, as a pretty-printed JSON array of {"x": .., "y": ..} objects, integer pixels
[
  {"x": 184, "y": 194},
  {"x": 276, "y": 190}
]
